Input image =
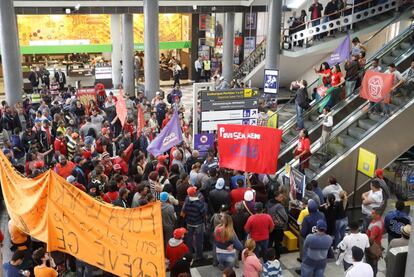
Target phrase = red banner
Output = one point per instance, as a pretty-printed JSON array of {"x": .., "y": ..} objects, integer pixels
[
  {"x": 376, "y": 86},
  {"x": 84, "y": 95},
  {"x": 121, "y": 109},
  {"x": 249, "y": 148}
]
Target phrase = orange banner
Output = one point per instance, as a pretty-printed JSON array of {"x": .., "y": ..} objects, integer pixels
[{"x": 125, "y": 242}]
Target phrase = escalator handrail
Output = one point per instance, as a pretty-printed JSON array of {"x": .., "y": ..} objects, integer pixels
[{"x": 379, "y": 54}]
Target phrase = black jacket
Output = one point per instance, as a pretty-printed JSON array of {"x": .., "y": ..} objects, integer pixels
[
  {"x": 217, "y": 198},
  {"x": 320, "y": 9},
  {"x": 58, "y": 79},
  {"x": 301, "y": 98},
  {"x": 34, "y": 79}
]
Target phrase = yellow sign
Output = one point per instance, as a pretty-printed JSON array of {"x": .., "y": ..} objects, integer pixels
[
  {"x": 125, "y": 242},
  {"x": 288, "y": 168},
  {"x": 271, "y": 119},
  {"x": 367, "y": 162},
  {"x": 248, "y": 92}
]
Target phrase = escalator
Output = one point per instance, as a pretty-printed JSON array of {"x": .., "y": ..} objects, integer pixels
[
  {"x": 386, "y": 136},
  {"x": 397, "y": 51}
]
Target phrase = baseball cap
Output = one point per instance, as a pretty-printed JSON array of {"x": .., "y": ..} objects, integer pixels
[
  {"x": 379, "y": 172},
  {"x": 248, "y": 195},
  {"x": 117, "y": 167},
  {"x": 191, "y": 191},
  {"x": 39, "y": 164},
  {"x": 321, "y": 225},
  {"x": 220, "y": 183},
  {"x": 163, "y": 196},
  {"x": 179, "y": 233},
  {"x": 71, "y": 179}
]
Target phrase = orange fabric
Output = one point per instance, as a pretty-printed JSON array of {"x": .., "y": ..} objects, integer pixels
[
  {"x": 17, "y": 236},
  {"x": 43, "y": 271},
  {"x": 125, "y": 242}
]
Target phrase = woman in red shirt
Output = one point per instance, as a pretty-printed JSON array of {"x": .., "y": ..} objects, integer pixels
[
  {"x": 324, "y": 74},
  {"x": 333, "y": 93},
  {"x": 302, "y": 151}
]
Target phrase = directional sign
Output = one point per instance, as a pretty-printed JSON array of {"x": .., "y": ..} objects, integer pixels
[
  {"x": 228, "y": 115},
  {"x": 229, "y": 105},
  {"x": 235, "y": 94},
  {"x": 212, "y": 125}
]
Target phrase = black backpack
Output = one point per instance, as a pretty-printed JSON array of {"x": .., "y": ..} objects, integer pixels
[{"x": 272, "y": 186}]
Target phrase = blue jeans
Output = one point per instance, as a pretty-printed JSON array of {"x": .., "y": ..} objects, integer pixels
[
  {"x": 309, "y": 271},
  {"x": 340, "y": 228},
  {"x": 316, "y": 23},
  {"x": 299, "y": 117},
  {"x": 195, "y": 239},
  {"x": 261, "y": 248},
  {"x": 226, "y": 260}
]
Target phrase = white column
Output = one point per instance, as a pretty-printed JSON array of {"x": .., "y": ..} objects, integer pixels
[
  {"x": 273, "y": 35},
  {"x": 116, "y": 49},
  {"x": 228, "y": 45},
  {"x": 128, "y": 54}
]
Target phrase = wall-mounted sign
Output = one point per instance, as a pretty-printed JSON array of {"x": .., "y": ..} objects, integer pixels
[
  {"x": 271, "y": 81},
  {"x": 367, "y": 162}
]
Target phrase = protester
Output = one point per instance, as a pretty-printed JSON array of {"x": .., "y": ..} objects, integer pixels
[
  {"x": 251, "y": 264},
  {"x": 333, "y": 188},
  {"x": 41, "y": 257},
  {"x": 375, "y": 232},
  {"x": 395, "y": 220},
  {"x": 176, "y": 248},
  {"x": 303, "y": 151},
  {"x": 370, "y": 200}
]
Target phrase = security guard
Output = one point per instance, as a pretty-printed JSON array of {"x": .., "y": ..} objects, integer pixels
[{"x": 207, "y": 69}]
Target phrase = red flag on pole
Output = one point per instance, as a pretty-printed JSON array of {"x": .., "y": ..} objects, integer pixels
[
  {"x": 121, "y": 109},
  {"x": 376, "y": 86},
  {"x": 247, "y": 147},
  {"x": 140, "y": 120}
]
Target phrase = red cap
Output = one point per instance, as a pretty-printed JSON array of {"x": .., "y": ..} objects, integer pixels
[
  {"x": 87, "y": 154},
  {"x": 39, "y": 164},
  {"x": 179, "y": 233},
  {"x": 161, "y": 158},
  {"x": 117, "y": 167},
  {"x": 105, "y": 131},
  {"x": 191, "y": 191},
  {"x": 379, "y": 172}
]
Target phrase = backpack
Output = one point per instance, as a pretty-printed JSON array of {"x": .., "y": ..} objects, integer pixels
[
  {"x": 169, "y": 98},
  {"x": 272, "y": 186}
]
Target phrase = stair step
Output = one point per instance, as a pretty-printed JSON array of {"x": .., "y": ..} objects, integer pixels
[
  {"x": 397, "y": 52},
  {"x": 374, "y": 116},
  {"x": 347, "y": 141},
  {"x": 314, "y": 117},
  {"x": 405, "y": 45},
  {"x": 399, "y": 101},
  {"x": 335, "y": 149},
  {"x": 356, "y": 132},
  {"x": 308, "y": 124},
  {"x": 387, "y": 59},
  {"x": 366, "y": 123}
]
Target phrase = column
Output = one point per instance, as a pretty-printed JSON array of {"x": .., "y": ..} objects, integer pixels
[
  {"x": 410, "y": 255},
  {"x": 228, "y": 45},
  {"x": 10, "y": 53},
  {"x": 116, "y": 49},
  {"x": 151, "y": 48},
  {"x": 273, "y": 34},
  {"x": 128, "y": 54}
]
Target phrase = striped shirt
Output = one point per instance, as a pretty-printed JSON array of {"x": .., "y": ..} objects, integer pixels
[{"x": 272, "y": 269}]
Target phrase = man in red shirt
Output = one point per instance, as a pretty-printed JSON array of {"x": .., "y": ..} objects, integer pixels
[
  {"x": 120, "y": 160},
  {"x": 376, "y": 227},
  {"x": 259, "y": 226},
  {"x": 64, "y": 168},
  {"x": 59, "y": 145},
  {"x": 176, "y": 248},
  {"x": 237, "y": 195}
]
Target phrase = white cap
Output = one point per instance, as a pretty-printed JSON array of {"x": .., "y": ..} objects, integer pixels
[
  {"x": 157, "y": 93},
  {"x": 248, "y": 195}
]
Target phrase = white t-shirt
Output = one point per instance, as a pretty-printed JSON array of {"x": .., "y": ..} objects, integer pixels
[
  {"x": 376, "y": 198},
  {"x": 332, "y": 189},
  {"x": 397, "y": 76},
  {"x": 359, "y": 240},
  {"x": 360, "y": 269}
]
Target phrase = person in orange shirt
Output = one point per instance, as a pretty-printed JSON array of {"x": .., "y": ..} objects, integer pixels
[
  {"x": 17, "y": 237},
  {"x": 64, "y": 168},
  {"x": 40, "y": 257}
]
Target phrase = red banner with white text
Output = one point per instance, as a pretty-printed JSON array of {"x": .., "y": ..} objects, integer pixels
[
  {"x": 249, "y": 148},
  {"x": 376, "y": 86}
]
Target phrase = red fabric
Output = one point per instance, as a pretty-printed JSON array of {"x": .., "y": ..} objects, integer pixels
[
  {"x": 175, "y": 253},
  {"x": 258, "y": 226},
  {"x": 321, "y": 90},
  {"x": 376, "y": 230},
  {"x": 108, "y": 167},
  {"x": 128, "y": 152},
  {"x": 315, "y": 12},
  {"x": 80, "y": 186},
  {"x": 121, "y": 109},
  {"x": 123, "y": 164},
  {"x": 1, "y": 236},
  {"x": 376, "y": 86},
  {"x": 110, "y": 196},
  {"x": 165, "y": 122},
  {"x": 129, "y": 128},
  {"x": 236, "y": 195},
  {"x": 303, "y": 145},
  {"x": 140, "y": 120},
  {"x": 247, "y": 147},
  {"x": 60, "y": 146},
  {"x": 65, "y": 171},
  {"x": 336, "y": 78}
]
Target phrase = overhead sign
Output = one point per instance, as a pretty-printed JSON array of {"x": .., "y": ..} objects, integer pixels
[
  {"x": 271, "y": 81},
  {"x": 203, "y": 142},
  {"x": 235, "y": 94},
  {"x": 103, "y": 73},
  {"x": 367, "y": 162},
  {"x": 229, "y": 105},
  {"x": 212, "y": 125},
  {"x": 226, "y": 115}
]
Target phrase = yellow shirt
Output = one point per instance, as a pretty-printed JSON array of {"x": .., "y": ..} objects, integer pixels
[
  {"x": 44, "y": 271},
  {"x": 302, "y": 215}
]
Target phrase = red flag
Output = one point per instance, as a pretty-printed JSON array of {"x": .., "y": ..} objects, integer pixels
[
  {"x": 140, "y": 120},
  {"x": 121, "y": 109},
  {"x": 128, "y": 152},
  {"x": 249, "y": 148},
  {"x": 376, "y": 86}
]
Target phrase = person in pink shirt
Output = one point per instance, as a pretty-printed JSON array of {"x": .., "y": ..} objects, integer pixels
[{"x": 252, "y": 267}]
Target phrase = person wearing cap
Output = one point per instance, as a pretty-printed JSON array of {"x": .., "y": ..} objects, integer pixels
[
  {"x": 249, "y": 201},
  {"x": 72, "y": 180},
  {"x": 403, "y": 241},
  {"x": 161, "y": 161},
  {"x": 394, "y": 220},
  {"x": 237, "y": 195},
  {"x": 359, "y": 268},
  {"x": 354, "y": 239},
  {"x": 64, "y": 168},
  {"x": 386, "y": 194},
  {"x": 194, "y": 212},
  {"x": 218, "y": 197},
  {"x": 259, "y": 226},
  {"x": 169, "y": 217},
  {"x": 122, "y": 200},
  {"x": 176, "y": 248},
  {"x": 224, "y": 84},
  {"x": 121, "y": 161},
  {"x": 315, "y": 250}
]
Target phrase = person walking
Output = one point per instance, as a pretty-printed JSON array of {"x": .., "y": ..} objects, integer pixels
[{"x": 315, "y": 251}]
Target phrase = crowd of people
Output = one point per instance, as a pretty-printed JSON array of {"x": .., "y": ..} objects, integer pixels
[{"x": 239, "y": 216}]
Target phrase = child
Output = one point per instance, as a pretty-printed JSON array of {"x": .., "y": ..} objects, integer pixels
[
  {"x": 272, "y": 267},
  {"x": 252, "y": 266}
]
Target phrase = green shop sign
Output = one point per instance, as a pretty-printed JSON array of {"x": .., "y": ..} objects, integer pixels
[{"x": 94, "y": 48}]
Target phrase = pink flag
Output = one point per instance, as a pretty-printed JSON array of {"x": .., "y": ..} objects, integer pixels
[{"x": 121, "y": 109}]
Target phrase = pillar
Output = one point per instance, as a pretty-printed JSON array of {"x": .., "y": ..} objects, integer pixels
[
  {"x": 116, "y": 49},
  {"x": 128, "y": 54},
  {"x": 10, "y": 53},
  {"x": 273, "y": 34},
  {"x": 151, "y": 48},
  {"x": 410, "y": 255},
  {"x": 228, "y": 47}
]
